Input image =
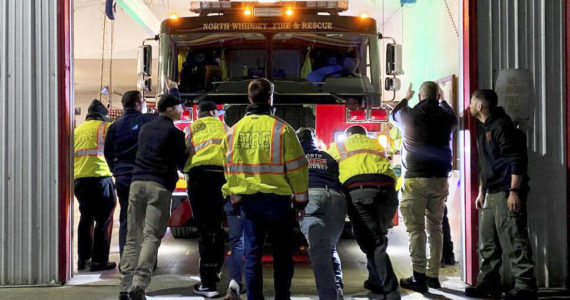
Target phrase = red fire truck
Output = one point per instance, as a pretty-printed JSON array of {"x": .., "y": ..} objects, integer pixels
[{"x": 325, "y": 67}]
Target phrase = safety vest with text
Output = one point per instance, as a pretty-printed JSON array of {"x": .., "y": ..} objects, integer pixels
[
  {"x": 89, "y": 140},
  {"x": 359, "y": 155},
  {"x": 204, "y": 139},
  {"x": 264, "y": 156}
]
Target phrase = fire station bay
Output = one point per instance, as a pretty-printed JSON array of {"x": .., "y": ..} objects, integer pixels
[{"x": 284, "y": 149}]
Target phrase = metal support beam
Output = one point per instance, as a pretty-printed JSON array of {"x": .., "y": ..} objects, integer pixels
[{"x": 137, "y": 10}]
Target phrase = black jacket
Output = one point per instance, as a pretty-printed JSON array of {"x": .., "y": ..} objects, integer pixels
[
  {"x": 161, "y": 152},
  {"x": 501, "y": 151},
  {"x": 121, "y": 141},
  {"x": 426, "y": 130}
]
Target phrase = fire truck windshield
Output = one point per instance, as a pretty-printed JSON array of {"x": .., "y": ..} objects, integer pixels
[{"x": 339, "y": 64}]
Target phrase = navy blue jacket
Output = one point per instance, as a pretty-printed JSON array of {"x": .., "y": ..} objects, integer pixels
[
  {"x": 323, "y": 169},
  {"x": 502, "y": 152},
  {"x": 121, "y": 141},
  {"x": 161, "y": 152}
]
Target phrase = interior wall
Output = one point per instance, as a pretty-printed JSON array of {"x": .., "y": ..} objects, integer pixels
[
  {"x": 429, "y": 35},
  {"x": 530, "y": 35}
]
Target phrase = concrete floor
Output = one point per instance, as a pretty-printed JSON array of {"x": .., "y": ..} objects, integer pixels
[{"x": 178, "y": 271}]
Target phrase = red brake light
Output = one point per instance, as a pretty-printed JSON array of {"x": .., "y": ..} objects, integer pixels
[
  {"x": 357, "y": 115},
  {"x": 378, "y": 114}
]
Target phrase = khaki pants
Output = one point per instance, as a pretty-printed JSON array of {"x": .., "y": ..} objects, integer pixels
[
  {"x": 502, "y": 231},
  {"x": 148, "y": 215},
  {"x": 423, "y": 202}
]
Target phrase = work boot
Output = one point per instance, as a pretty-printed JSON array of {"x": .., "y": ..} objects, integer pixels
[
  {"x": 373, "y": 286},
  {"x": 483, "y": 290},
  {"x": 415, "y": 283},
  {"x": 233, "y": 291},
  {"x": 102, "y": 266},
  {"x": 521, "y": 294},
  {"x": 83, "y": 264},
  {"x": 393, "y": 295},
  {"x": 206, "y": 291},
  {"x": 433, "y": 282},
  {"x": 137, "y": 293},
  {"x": 124, "y": 296}
]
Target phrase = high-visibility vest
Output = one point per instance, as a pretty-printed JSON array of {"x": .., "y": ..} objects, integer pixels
[
  {"x": 89, "y": 140},
  {"x": 204, "y": 139},
  {"x": 264, "y": 156},
  {"x": 359, "y": 155}
]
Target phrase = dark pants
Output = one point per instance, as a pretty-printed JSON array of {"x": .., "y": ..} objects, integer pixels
[
  {"x": 261, "y": 214},
  {"x": 447, "y": 243},
  {"x": 96, "y": 197},
  {"x": 207, "y": 201},
  {"x": 371, "y": 211},
  {"x": 123, "y": 183},
  {"x": 504, "y": 234},
  {"x": 235, "y": 245}
]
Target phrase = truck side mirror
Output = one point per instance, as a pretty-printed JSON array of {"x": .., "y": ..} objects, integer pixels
[
  {"x": 393, "y": 59},
  {"x": 144, "y": 60}
]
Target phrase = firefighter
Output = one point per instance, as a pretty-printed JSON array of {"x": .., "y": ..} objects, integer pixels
[
  {"x": 161, "y": 152},
  {"x": 503, "y": 190},
  {"x": 369, "y": 179},
  {"x": 265, "y": 170},
  {"x": 121, "y": 150},
  {"x": 205, "y": 177},
  {"x": 94, "y": 190},
  {"x": 426, "y": 154},
  {"x": 324, "y": 217}
]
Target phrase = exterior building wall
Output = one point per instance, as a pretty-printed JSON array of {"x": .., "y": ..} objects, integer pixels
[
  {"x": 530, "y": 35},
  {"x": 28, "y": 142}
]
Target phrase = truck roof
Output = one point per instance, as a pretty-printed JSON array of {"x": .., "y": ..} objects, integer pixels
[{"x": 296, "y": 23}]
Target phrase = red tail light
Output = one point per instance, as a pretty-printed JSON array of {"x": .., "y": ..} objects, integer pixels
[
  {"x": 378, "y": 114},
  {"x": 357, "y": 115}
]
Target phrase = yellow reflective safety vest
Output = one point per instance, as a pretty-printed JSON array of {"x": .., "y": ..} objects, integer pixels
[
  {"x": 88, "y": 143},
  {"x": 204, "y": 139},
  {"x": 264, "y": 156},
  {"x": 358, "y": 155}
]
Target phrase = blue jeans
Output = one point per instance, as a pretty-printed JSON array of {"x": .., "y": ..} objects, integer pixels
[
  {"x": 322, "y": 226},
  {"x": 272, "y": 214},
  {"x": 235, "y": 228}
]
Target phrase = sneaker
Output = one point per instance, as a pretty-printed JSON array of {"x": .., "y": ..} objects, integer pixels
[
  {"x": 415, "y": 283},
  {"x": 208, "y": 292},
  {"x": 483, "y": 290},
  {"x": 233, "y": 291},
  {"x": 124, "y": 296},
  {"x": 373, "y": 286},
  {"x": 102, "y": 266},
  {"x": 137, "y": 293},
  {"x": 522, "y": 294},
  {"x": 433, "y": 282}
]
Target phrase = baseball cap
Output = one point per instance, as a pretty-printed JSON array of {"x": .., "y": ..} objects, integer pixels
[{"x": 209, "y": 106}]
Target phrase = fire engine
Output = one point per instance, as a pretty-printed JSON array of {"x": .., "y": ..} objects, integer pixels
[{"x": 325, "y": 67}]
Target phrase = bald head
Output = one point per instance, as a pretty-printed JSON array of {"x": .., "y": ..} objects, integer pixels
[{"x": 428, "y": 90}]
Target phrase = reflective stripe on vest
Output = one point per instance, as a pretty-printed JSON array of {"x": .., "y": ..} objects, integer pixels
[
  {"x": 195, "y": 148},
  {"x": 295, "y": 164},
  {"x": 100, "y": 143},
  {"x": 301, "y": 197},
  {"x": 347, "y": 154},
  {"x": 276, "y": 167}
]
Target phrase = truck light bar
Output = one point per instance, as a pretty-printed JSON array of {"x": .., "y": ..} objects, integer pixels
[{"x": 227, "y": 7}]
